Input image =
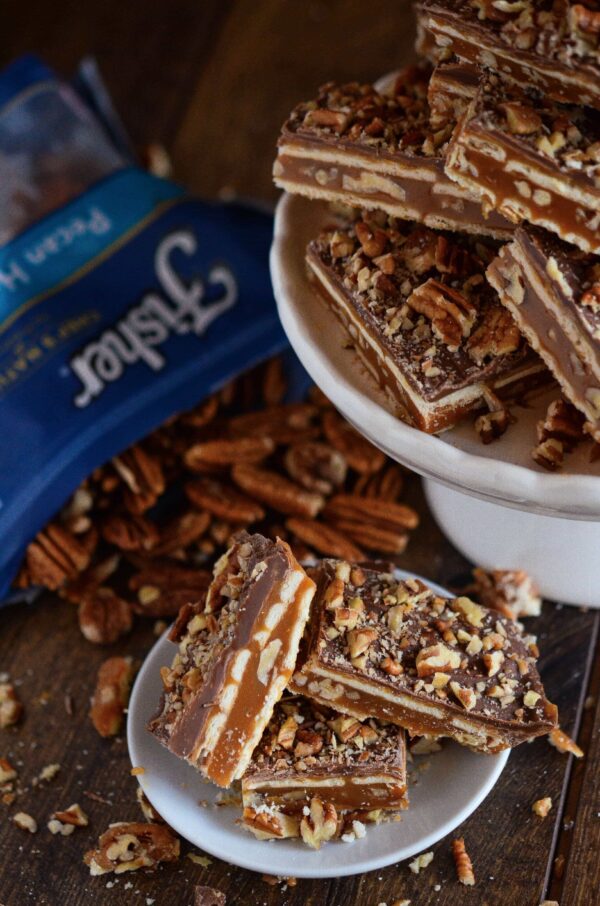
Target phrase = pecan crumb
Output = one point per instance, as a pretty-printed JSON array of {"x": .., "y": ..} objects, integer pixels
[
  {"x": 462, "y": 861},
  {"x": 564, "y": 744},
  {"x": 25, "y": 822},
  {"x": 541, "y": 807},
  {"x": 11, "y": 709},
  {"x": 420, "y": 862}
]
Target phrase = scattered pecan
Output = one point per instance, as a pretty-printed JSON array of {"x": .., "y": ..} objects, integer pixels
[
  {"x": 276, "y": 491},
  {"x": 208, "y": 896},
  {"x": 104, "y": 616},
  {"x": 11, "y": 709},
  {"x": 549, "y": 454},
  {"x": 320, "y": 825},
  {"x": 73, "y": 815},
  {"x": 510, "y": 591},
  {"x": 54, "y": 556},
  {"x": 7, "y": 774},
  {"x": 25, "y": 822},
  {"x": 143, "y": 475},
  {"x": 130, "y": 532},
  {"x": 266, "y": 825},
  {"x": 591, "y": 297},
  {"x": 360, "y": 455},
  {"x": 542, "y": 807},
  {"x": 324, "y": 539},
  {"x": 129, "y": 846},
  {"x": 585, "y": 22},
  {"x": 222, "y": 500},
  {"x": 162, "y": 589},
  {"x": 496, "y": 335},
  {"x": 111, "y": 695},
  {"x": 464, "y": 866},
  {"x": 452, "y": 315},
  {"x": 563, "y": 422},
  {"x": 224, "y": 452},
  {"x": 373, "y": 240},
  {"x": 492, "y": 425},
  {"x": 316, "y": 466},
  {"x": 564, "y": 744}
]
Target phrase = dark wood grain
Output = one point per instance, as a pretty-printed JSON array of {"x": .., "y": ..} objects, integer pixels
[{"x": 213, "y": 80}]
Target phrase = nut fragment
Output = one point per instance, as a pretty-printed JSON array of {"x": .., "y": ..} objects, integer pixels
[
  {"x": 541, "y": 807},
  {"x": 129, "y": 846},
  {"x": 452, "y": 314},
  {"x": 496, "y": 335},
  {"x": 464, "y": 866},
  {"x": 11, "y": 709},
  {"x": 320, "y": 825},
  {"x": 549, "y": 454},
  {"x": 437, "y": 659},
  {"x": 25, "y": 822},
  {"x": 111, "y": 694},
  {"x": 104, "y": 617},
  {"x": 360, "y": 640},
  {"x": 74, "y": 815},
  {"x": 564, "y": 744},
  {"x": 208, "y": 896},
  {"x": 512, "y": 592}
]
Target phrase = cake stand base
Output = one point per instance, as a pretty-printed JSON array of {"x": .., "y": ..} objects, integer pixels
[{"x": 562, "y": 555}]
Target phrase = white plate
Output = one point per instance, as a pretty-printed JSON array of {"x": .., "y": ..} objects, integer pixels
[
  {"x": 502, "y": 472},
  {"x": 455, "y": 782}
]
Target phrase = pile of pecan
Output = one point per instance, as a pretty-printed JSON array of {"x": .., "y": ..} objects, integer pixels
[{"x": 140, "y": 535}]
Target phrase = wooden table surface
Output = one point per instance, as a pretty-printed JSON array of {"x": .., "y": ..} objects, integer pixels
[{"x": 213, "y": 80}]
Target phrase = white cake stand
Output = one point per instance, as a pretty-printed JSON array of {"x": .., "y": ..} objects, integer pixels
[{"x": 493, "y": 502}]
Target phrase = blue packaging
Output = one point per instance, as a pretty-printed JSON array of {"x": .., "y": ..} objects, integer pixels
[{"x": 122, "y": 300}]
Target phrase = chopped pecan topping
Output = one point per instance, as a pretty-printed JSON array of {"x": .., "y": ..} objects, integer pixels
[
  {"x": 452, "y": 315},
  {"x": 564, "y": 744},
  {"x": 324, "y": 539},
  {"x": 497, "y": 335}
]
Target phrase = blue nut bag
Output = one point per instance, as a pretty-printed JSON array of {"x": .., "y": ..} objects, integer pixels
[{"x": 122, "y": 299}]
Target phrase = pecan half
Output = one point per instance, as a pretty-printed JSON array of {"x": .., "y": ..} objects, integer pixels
[
  {"x": 452, "y": 315},
  {"x": 386, "y": 484},
  {"x": 224, "y": 501},
  {"x": 129, "y": 846},
  {"x": 111, "y": 695},
  {"x": 181, "y": 532},
  {"x": 373, "y": 537},
  {"x": 74, "y": 815},
  {"x": 316, "y": 466},
  {"x": 143, "y": 475},
  {"x": 324, "y": 539},
  {"x": 104, "y": 616},
  {"x": 276, "y": 491},
  {"x": 130, "y": 532},
  {"x": 496, "y": 335},
  {"x": 282, "y": 424},
  {"x": 358, "y": 452},
  {"x": 379, "y": 512},
  {"x": 54, "y": 556},
  {"x": 224, "y": 452},
  {"x": 320, "y": 825}
]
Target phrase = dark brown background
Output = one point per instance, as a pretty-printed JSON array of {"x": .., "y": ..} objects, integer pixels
[{"x": 213, "y": 80}]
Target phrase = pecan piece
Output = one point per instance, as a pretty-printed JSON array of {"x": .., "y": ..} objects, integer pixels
[
  {"x": 320, "y": 825},
  {"x": 316, "y": 466},
  {"x": 130, "y": 532},
  {"x": 11, "y": 709},
  {"x": 54, "y": 556},
  {"x": 562, "y": 422},
  {"x": 202, "y": 414},
  {"x": 386, "y": 484},
  {"x": 143, "y": 475},
  {"x": 373, "y": 537},
  {"x": 86, "y": 583},
  {"x": 379, "y": 512},
  {"x": 492, "y": 425},
  {"x": 111, "y": 695},
  {"x": 224, "y": 501},
  {"x": 549, "y": 454},
  {"x": 564, "y": 744},
  {"x": 512, "y": 592},
  {"x": 266, "y": 825},
  {"x": 356, "y": 450},
  {"x": 496, "y": 335},
  {"x": 324, "y": 539},
  {"x": 276, "y": 491},
  {"x": 285, "y": 424},
  {"x": 521, "y": 118},
  {"x": 464, "y": 866},
  {"x": 104, "y": 616},
  {"x": 437, "y": 659},
  {"x": 452, "y": 315},
  {"x": 224, "y": 452},
  {"x": 181, "y": 532},
  {"x": 73, "y": 815},
  {"x": 129, "y": 846},
  {"x": 373, "y": 240},
  {"x": 148, "y": 810}
]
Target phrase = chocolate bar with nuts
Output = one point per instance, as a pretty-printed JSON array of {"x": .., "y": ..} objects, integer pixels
[
  {"x": 395, "y": 650},
  {"x": 531, "y": 160},
  {"x": 422, "y": 318},
  {"x": 553, "y": 292},
  {"x": 359, "y": 146},
  {"x": 551, "y": 45},
  {"x": 310, "y": 750},
  {"x": 236, "y": 654}
]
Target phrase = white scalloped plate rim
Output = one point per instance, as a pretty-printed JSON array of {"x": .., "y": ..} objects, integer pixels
[
  {"x": 454, "y": 784},
  {"x": 335, "y": 371}
]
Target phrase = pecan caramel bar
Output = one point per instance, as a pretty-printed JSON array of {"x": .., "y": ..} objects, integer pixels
[
  {"x": 395, "y": 650},
  {"x": 356, "y": 145},
  {"x": 532, "y": 160},
  {"x": 553, "y": 292},
  {"x": 236, "y": 654},
  {"x": 550, "y": 45},
  {"x": 421, "y": 316},
  {"x": 310, "y": 750}
]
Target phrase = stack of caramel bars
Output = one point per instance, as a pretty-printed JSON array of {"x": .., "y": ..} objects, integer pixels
[
  {"x": 308, "y": 688},
  {"x": 461, "y": 259}
]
